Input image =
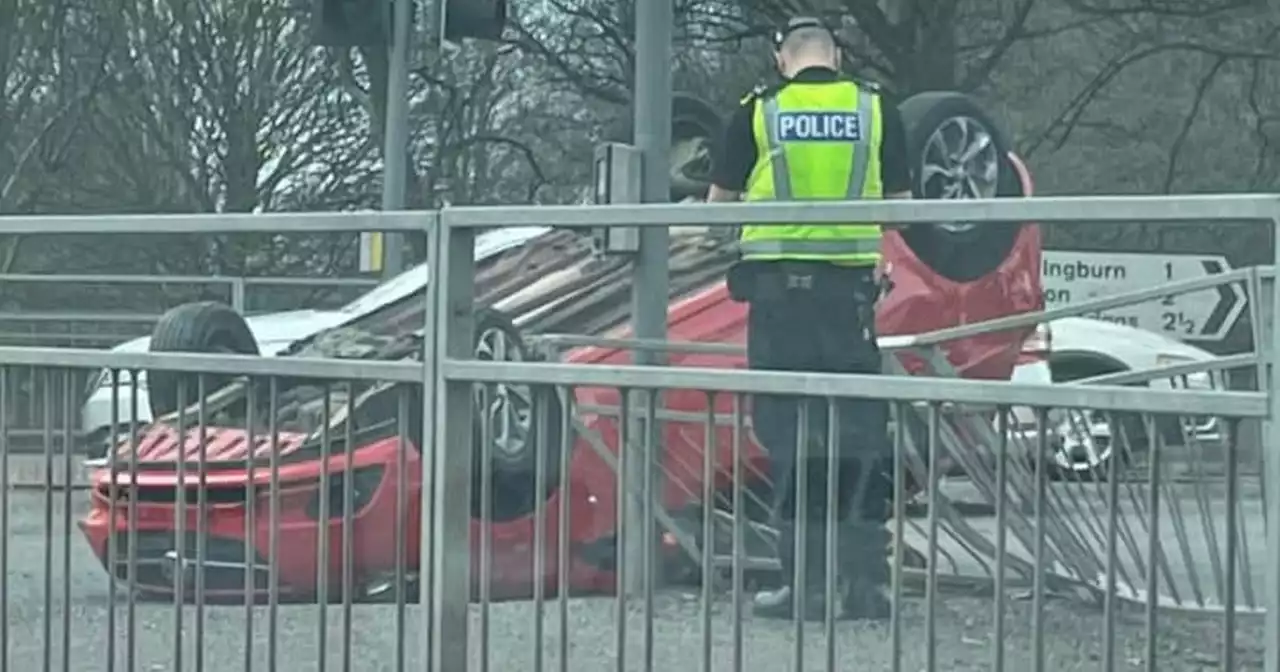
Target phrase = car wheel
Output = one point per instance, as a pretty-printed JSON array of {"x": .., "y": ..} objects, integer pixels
[
  {"x": 1082, "y": 446},
  {"x": 958, "y": 152},
  {"x": 202, "y": 327},
  {"x": 507, "y": 417},
  {"x": 1127, "y": 430}
]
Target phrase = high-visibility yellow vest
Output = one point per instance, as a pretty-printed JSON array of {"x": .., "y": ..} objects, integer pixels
[{"x": 816, "y": 141}]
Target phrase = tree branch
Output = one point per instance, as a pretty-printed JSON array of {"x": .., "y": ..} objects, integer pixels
[{"x": 1188, "y": 121}]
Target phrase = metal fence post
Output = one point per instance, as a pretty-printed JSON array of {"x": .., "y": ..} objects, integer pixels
[
  {"x": 238, "y": 294},
  {"x": 448, "y": 457},
  {"x": 1270, "y": 349}
]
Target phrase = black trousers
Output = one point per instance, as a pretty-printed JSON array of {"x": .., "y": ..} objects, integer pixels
[{"x": 808, "y": 316}]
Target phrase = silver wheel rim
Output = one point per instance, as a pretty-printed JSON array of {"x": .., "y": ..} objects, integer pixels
[
  {"x": 1084, "y": 443},
  {"x": 508, "y": 409},
  {"x": 960, "y": 160}
]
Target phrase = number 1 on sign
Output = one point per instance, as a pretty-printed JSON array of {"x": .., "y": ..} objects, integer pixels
[{"x": 1168, "y": 275}]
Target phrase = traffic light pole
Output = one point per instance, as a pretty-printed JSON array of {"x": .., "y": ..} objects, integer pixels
[
  {"x": 395, "y": 136},
  {"x": 650, "y": 286}
]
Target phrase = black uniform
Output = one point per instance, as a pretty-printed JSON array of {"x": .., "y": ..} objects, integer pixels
[{"x": 817, "y": 316}]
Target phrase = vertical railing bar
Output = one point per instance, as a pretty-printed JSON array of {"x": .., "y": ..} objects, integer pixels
[
  {"x": 348, "y": 522},
  {"x": 1229, "y": 603},
  {"x": 68, "y": 483},
  {"x": 830, "y": 529},
  {"x": 4, "y": 518},
  {"x": 113, "y": 503},
  {"x": 1209, "y": 526},
  {"x": 1039, "y": 554},
  {"x": 1269, "y": 314},
  {"x": 653, "y": 459},
  {"x": 1002, "y": 497},
  {"x": 563, "y": 522},
  {"x": 1153, "y": 543},
  {"x": 486, "y": 522},
  {"x": 403, "y": 432},
  {"x": 931, "y": 569},
  {"x": 180, "y": 526},
  {"x": 1244, "y": 555},
  {"x": 131, "y": 532},
  {"x": 1109, "y": 597},
  {"x": 541, "y": 437},
  {"x": 738, "y": 661},
  {"x": 273, "y": 524},
  {"x": 1177, "y": 517},
  {"x": 709, "y": 450},
  {"x": 325, "y": 519},
  {"x": 46, "y": 617},
  {"x": 1135, "y": 499},
  {"x": 623, "y": 504},
  {"x": 202, "y": 514},
  {"x": 901, "y": 412},
  {"x": 800, "y": 518},
  {"x": 251, "y": 563}
]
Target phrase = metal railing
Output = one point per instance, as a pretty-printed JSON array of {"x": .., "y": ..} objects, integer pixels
[
  {"x": 301, "y": 493},
  {"x": 1101, "y": 543}
]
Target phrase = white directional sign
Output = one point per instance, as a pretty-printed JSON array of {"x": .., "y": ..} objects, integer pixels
[{"x": 1207, "y": 315}]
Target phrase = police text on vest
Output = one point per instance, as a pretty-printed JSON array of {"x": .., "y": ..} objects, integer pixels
[{"x": 820, "y": 127}]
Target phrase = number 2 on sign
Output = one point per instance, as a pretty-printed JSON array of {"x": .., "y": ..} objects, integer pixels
[
  {"x": 1168, "y": 300},
  {"x": 1178, "y": 322}
]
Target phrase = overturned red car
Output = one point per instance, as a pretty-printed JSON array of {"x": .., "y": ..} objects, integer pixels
[{"x": 213, "y": 498}]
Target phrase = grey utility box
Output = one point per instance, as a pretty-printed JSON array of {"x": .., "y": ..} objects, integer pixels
[{"x": 617, "y": 180}]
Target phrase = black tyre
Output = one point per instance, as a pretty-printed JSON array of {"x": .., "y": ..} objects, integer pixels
[
  {"x": 203, "y": 327},
  {"x": 958, "y": 152},
  {"x": 515, "y": 420},
  {"x": 695, "y": 125}
]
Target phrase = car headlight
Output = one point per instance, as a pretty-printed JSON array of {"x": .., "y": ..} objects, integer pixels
[
  {"x": 1165, "y": 359},
  {"x": 364, "y": 484},
  {"x": 1200, "y": 380}
]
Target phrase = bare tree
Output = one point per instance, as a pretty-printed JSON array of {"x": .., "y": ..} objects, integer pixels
[{"x": 52, "y": 57}]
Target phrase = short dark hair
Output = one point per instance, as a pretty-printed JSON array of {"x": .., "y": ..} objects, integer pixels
[{"x": 802, "y": 26}]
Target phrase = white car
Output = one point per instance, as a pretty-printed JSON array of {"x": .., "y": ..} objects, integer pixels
[
  {"x": 1083, "y": 348},
  {"x": 274, "y": 332}
]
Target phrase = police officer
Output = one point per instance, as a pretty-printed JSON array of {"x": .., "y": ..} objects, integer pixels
[{"x": 811, "y": 290}]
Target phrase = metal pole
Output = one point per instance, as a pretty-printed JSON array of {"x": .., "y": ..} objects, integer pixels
[
  {"x": 1271, "y": 469},
  {"x": 650, "y": 284},
  {"x": 395, "y": 134},
  {"x": 237, "y": 295}
]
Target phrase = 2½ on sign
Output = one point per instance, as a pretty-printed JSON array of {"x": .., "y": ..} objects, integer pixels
[{"x": 1177, "y": 322}]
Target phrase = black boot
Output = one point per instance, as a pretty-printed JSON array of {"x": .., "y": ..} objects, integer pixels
[
  {"x": 866, "y": 564},
  {"x": 777, "y": 603}
]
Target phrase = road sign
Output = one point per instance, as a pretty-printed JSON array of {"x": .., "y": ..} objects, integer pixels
[{"x": 1207, "y": 315}]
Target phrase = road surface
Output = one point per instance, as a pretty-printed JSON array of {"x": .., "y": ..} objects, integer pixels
[{"x": 964, "y": 627}]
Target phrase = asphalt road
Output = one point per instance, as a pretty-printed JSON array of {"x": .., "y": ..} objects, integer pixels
[{"x": 74, "y": 635}]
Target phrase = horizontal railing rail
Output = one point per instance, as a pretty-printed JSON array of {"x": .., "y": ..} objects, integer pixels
[
  {"x": 1085, "y": 210},
  {"x": 938, "y": 336},
  {"x": 897, "y": 388},
  {"x": 277, "y": 222},
  {"x": 216, "y": 364}
]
